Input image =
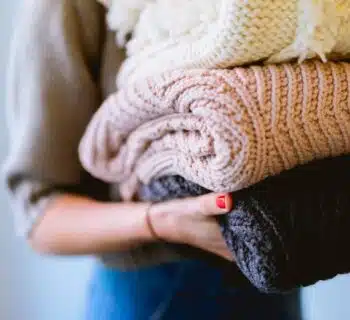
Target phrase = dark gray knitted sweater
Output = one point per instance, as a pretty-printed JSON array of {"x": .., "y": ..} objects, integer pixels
[{"x": 288, "y": 231}]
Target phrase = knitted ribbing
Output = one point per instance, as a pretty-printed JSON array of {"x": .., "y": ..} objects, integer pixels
[
  {"x": 211, "y": 34},
  {"x": 288, "y": 231},
  {"x": 222, "y": 129}
]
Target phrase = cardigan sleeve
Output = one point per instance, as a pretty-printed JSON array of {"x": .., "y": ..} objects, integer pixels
[{"x": 52, "y": 93}]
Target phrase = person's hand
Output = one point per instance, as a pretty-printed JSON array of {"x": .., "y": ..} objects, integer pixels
[{"x": 192, "y": 221}]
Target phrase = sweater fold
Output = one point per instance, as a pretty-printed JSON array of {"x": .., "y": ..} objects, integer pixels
[
  {"x": 286, "y": 232},
  {"x": 209, "y": 34},
  {"x": 222, "y": 129}
]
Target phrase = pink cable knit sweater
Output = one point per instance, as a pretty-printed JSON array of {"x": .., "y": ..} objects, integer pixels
[{"x": 222, "y": 129}]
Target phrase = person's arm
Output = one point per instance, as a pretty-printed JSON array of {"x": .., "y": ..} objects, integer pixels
[
  {"x": 53, "y": 91},
  {"x": 77, "y": 225}
]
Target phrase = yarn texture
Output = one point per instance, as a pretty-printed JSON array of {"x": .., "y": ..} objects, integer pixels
[
  {"x": 185, "y": 34},
  {"x": 222, "y": 129},
  {"x": 289, "y": 231},
  {"x": 188, "y": 118}
]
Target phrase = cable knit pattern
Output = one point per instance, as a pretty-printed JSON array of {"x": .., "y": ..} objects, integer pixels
[
  {"x": 222, "y": 129},
  {"x": 187, "y": 34},
  {"x": 288, "y": 231}
]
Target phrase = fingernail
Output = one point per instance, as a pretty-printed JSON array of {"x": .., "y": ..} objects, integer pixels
[{"x": 221, "y": 202}]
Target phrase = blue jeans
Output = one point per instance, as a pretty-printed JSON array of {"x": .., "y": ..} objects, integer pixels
[{"x": 181, "y": 291}]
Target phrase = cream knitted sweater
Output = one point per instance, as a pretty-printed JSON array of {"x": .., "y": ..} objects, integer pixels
[
  {"x": 172, "y": 34},
  {"x": 222, "y": 129}
]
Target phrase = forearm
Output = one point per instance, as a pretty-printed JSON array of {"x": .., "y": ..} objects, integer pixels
[{"x": 74, "y": 225}]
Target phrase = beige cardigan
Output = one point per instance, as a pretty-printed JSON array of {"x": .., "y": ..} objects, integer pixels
[{"x": 62, "y": 65}]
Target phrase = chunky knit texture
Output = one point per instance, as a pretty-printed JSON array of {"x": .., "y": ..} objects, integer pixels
[
  {"x": 222, "y": 129},
  {"x": 185, "y": 34},
  {"x": 288, "y": 231}
]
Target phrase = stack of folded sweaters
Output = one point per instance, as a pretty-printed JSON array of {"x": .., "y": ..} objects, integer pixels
[{"x": 189, "y": 118}]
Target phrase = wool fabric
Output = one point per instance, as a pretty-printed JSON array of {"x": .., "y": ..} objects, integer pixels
[
  {"x": 289, "y": 231},
  {"x": 185, "y": 34},
  {"x": 222, "y": 129}
]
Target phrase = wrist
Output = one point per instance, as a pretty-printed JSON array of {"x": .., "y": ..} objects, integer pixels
[
  {"x": 137, "y": 225},
  {"x": 164, "y": 225},
  {"x": 149, "y": 224}
]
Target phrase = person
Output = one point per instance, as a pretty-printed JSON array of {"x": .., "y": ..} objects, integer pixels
[{"x": 63, "y": 63}]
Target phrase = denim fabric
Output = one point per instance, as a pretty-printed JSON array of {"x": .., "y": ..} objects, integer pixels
[{"x": 181, "y": 291}]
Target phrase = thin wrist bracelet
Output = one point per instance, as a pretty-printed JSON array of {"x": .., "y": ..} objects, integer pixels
[{"x": 149, "y": 223}]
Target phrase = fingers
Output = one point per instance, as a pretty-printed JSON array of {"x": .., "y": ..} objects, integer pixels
[
  {"x": 226, "y": 254},
  {"x": 207, "y": 205}
]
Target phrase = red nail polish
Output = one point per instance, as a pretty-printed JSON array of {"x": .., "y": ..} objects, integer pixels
[{"x": 221, "y": 202}]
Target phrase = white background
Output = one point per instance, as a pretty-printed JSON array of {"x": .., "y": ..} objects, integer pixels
[{"x": 37, "y": 288}]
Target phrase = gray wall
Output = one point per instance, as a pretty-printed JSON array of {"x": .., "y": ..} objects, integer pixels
[{"x": 36, "y": 288}]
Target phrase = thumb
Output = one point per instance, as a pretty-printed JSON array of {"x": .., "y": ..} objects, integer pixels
[{"x": 215, "y": 203}]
